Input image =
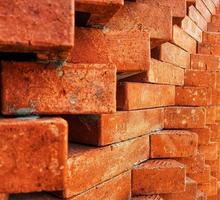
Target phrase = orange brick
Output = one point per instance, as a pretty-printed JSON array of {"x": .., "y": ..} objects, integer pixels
[
  {"x": 205, "y": 62},
  {"x": 157, "y": 20},
  {"x": 210, "y": 5},
  {"x": 204, "y": 135},
  {"x": 31, "y": 27},
  {"x": 111, "y": 128},
  {"x": 201, "y": 7},
  {"x": 188, "y": 194},
  {"x": 107, "y": 162},
  {"x": 183, "y": 40},
  {"x": 217, "y": 113},
  {"x": 33, "y": 196},
  {"x": 217, "y": 80},
  {"x": 215, "y": 130},
  {"x": 148, "y": 197},
  {"x": 209, "y": 188},
  {"x": 214, "y": 164},
  {"x": 3, "y": 196},
  {"x": 200, "y": 195},
  {"x": 192, "y": 29},
  {"x": 44, "y": 89},
  {"x": 99, "y": 46},
  {"x": 210, "y": 151},
  {"x": 184, "y": 117},
  {"x": 210, "y": 37},
  {"x": 32, "y": 149},
  {"x": 202, "y": 176},
  {"x": 170, "y": 53},
  {"x": 195, "y": 15},
  {"x": 158, "y": 176},
  {"x": 216, "y": 19},
  {"x": 100, "y": 11},
  {"x": 199, "y": 78},
  {"x": 193, "y": 96},
  {"x": 131, "y": 96},
  {"x": 213, "y": 27},
  {"x": 210, "y": 114},
  {"x": 173, "y": 144},
  {"x": 209, "y": 49},
  {"x": 161, "y": 73},
  {"x": 216, "y": 97}
]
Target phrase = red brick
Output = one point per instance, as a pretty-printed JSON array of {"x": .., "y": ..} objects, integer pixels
[
  {"x": 183, "y": 40},
  {"x": 215, "y": 130},
  {"x": 210, "y": 151},
  {"x": 32, "y": 27},
  {"x": 204, "y": 135},
  {"x": 158, "y": 176},
  {"x": 3, "y": 196},
  {"x": 216, "y": 97},
  {"x": 199, "y": 78},
  {"x": 210, "y": 188},
  {"x": 200, "y": 195},
  {"x": 216, "y": 19},
  {"x": 173, "y": 144},
  {"x": 107, "y": 162},
  {"x": 131, "y": 96},
  {"x": 210, "y": 5},
  {"x": 214, "y": 164},
  {"x": 201, "y": 176},
  {"x": 213, "y": 27},
  {"x": 111, "y": 128},
  {"x": 201, "y": 7},
  {"x": 33, "y": 152},
  {"x": 178, "y": 7},
  {"x": 184, "y": 117},
  {"x": 193, "y": 96},
  {"x": 191, "y": 28},
  {"x": 217, "y": 80},
  {"x": 211, "y": 37},
  {"x": 209, "y": 49},
  {"x": 100, "y": 46},
  {"x": 100, "y": 11},
  {"x": 217, "y": 113},
  {"x": 33, "y": 196},
  {"x": 205, "y": 62},
  {"x": 188, "y": 194},
  {"x": 210, "y": 114},
  {"x": 161, "y": 73},
  {"x": 44, "y": 89},
  {"x": 170, "y": 53},
  {"x": 195, "y": 15},
  {"x": 148, "y": 197},
  {"x": 157, "y": 20}
]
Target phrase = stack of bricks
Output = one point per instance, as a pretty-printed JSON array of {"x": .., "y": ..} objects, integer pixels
[{"x": 122, "y": 104}]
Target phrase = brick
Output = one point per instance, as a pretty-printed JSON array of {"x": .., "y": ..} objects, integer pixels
[
  {"x": 205, "y": 62},
  {"x": 200, "y": 195},
  {"x": 210, "y": 37},
  {"x": 197, "y": 18},
  {"x": 33, "y": 152},
  {"x": 131, "y": 96},
  {"x": 215, "y": 97},
  {"x": 215, "y": 133},
  {"x": 188, "y": 194},
  {"x": 100, "y": 11},
  {"x": 170, "y": 53},
  {"x": 214, "y": 164},
  {"x": 161, "y": 73},
  {"x": 210, "y": 151},
  {"x": 44, "y": 89},
  {"x": 100, "y": 46},
  {"x": 193, "y": 96},
  {"x": 209, "y": 49},
  {"x": 210, "y": 114},
  {"x": 202, "y": 176},
  {"x": 183, "y": 40},
  {"x": 178, "y": 7},
  {"x": 199, "y": 78},
  {"x": 201, "y": 7},
  {"x": 148, "y": 197},
  {"x": 204, "y": 135},
  {"x": 216, "y": 19},
  {"x": 158, "y": 176},
  {"x": 173, "y": 144},
  {"x": 106, "y": 129},
  {"x": 213, "y": 27},
  {"x": 210, "y": 5},
  {"x": 209, "y": 188},
  {"x": 217, "y": 80},
  {"x": 216, "y": 3},
  {"x": 192, "y": 29},
  {"x": 3, "y": 196},
  {"x": 157, "y": 20},
  {"x": 184, "y": 117},
  {"x": 107, "y": 161},
  {"x": 33, "y": 196},
  {"x": 39, "y": 31},
  {"x": 217, "y": 113}
]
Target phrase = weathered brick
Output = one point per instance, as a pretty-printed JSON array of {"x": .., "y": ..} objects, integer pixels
[
  {"x": 100, "y": 11},
  {"x": 201, "y": 7},
  {"x": 157, "y": 20},
  {"x": 213, "y": 27},
  {"x": 211, "y": 37},
  {"x": 200, "y": 195},
  {"x": 33, "y": 196},
  {"x": 112, "y": 47},
  {"x": 3, "y": 196},
  {"x": 161, "y": 73},
  {"x": 194, "y": 14},
  {"x": 33, "y": 152},
  {"x": 193, "y": 96},
  {"x": 214, "y": 164},
  {"x": 210, "y": 151},
  {"x": 184, "y": 117},
  {"x": 217, "y": 80},
  {"x": 188, "y": 194},
  {"x": 111, "y": 128},
  {"x": 217, "y": 113},
  {"x": 204, "y": 135},
  {"x": 173, "y": 144},
  {"x": 158, "y": 176},
  {"x": 215, "y": 130},
  {"x": 32, "y": 27},
  {"x": 216, "y": 19},
  {"x": 210, "y": 114},
  {"x": 210, "y": 5},
  {"x": 201, "y": 176},
  {"x": 107, "y": 162},
  {"x": 44, "y": 89},
  {"x": 209, "y": 49},
  {"x": 170, "y": 53},
  {"x": 131, "y": 96},
  {"x": 216, "y": 97},
  {"x": 183, "y": 40},
  {"x": 216, "y": 3},
  {"x": 192, "y": 29},
  {"x": 205, "y": 62},
  {"x": 148, "y": 197},
  {"x": 210, "y": 188}
]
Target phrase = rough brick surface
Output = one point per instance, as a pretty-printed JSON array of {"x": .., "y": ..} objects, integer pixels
[
  {"x": 210, "y": 151},
  {"x": 158, "y": 176},
  {"x": 3, "y": 196},
  {"x": 44, "y": 144},
  {"x": 201, "y": 7},
  {"x": 210, "y": 37},
  {"x": 32, "y": 27},
  {"x": 201, "y": 176},
  {"x": 44, "y": 89},
  {"x": 184, "y": 117},
  {"x": 204, "y": 135},
  {"x": 106, "y": 162},
  {"x": 209, "y": 49},
  {"x": 111, "y": 128},
  {"x": 210, "y": 5},
  {"x": 210, "y": 188},
  {"x": 116, "y": 47},
  {"x": 131, "y": 96},
  {"x": 210, "y": 114},
  {"x": 148, "y": 197},
  {"x": 173, "y": 144}
]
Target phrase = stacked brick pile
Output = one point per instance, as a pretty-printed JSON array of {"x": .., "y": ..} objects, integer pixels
[{"x": 123, "y": 104}]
